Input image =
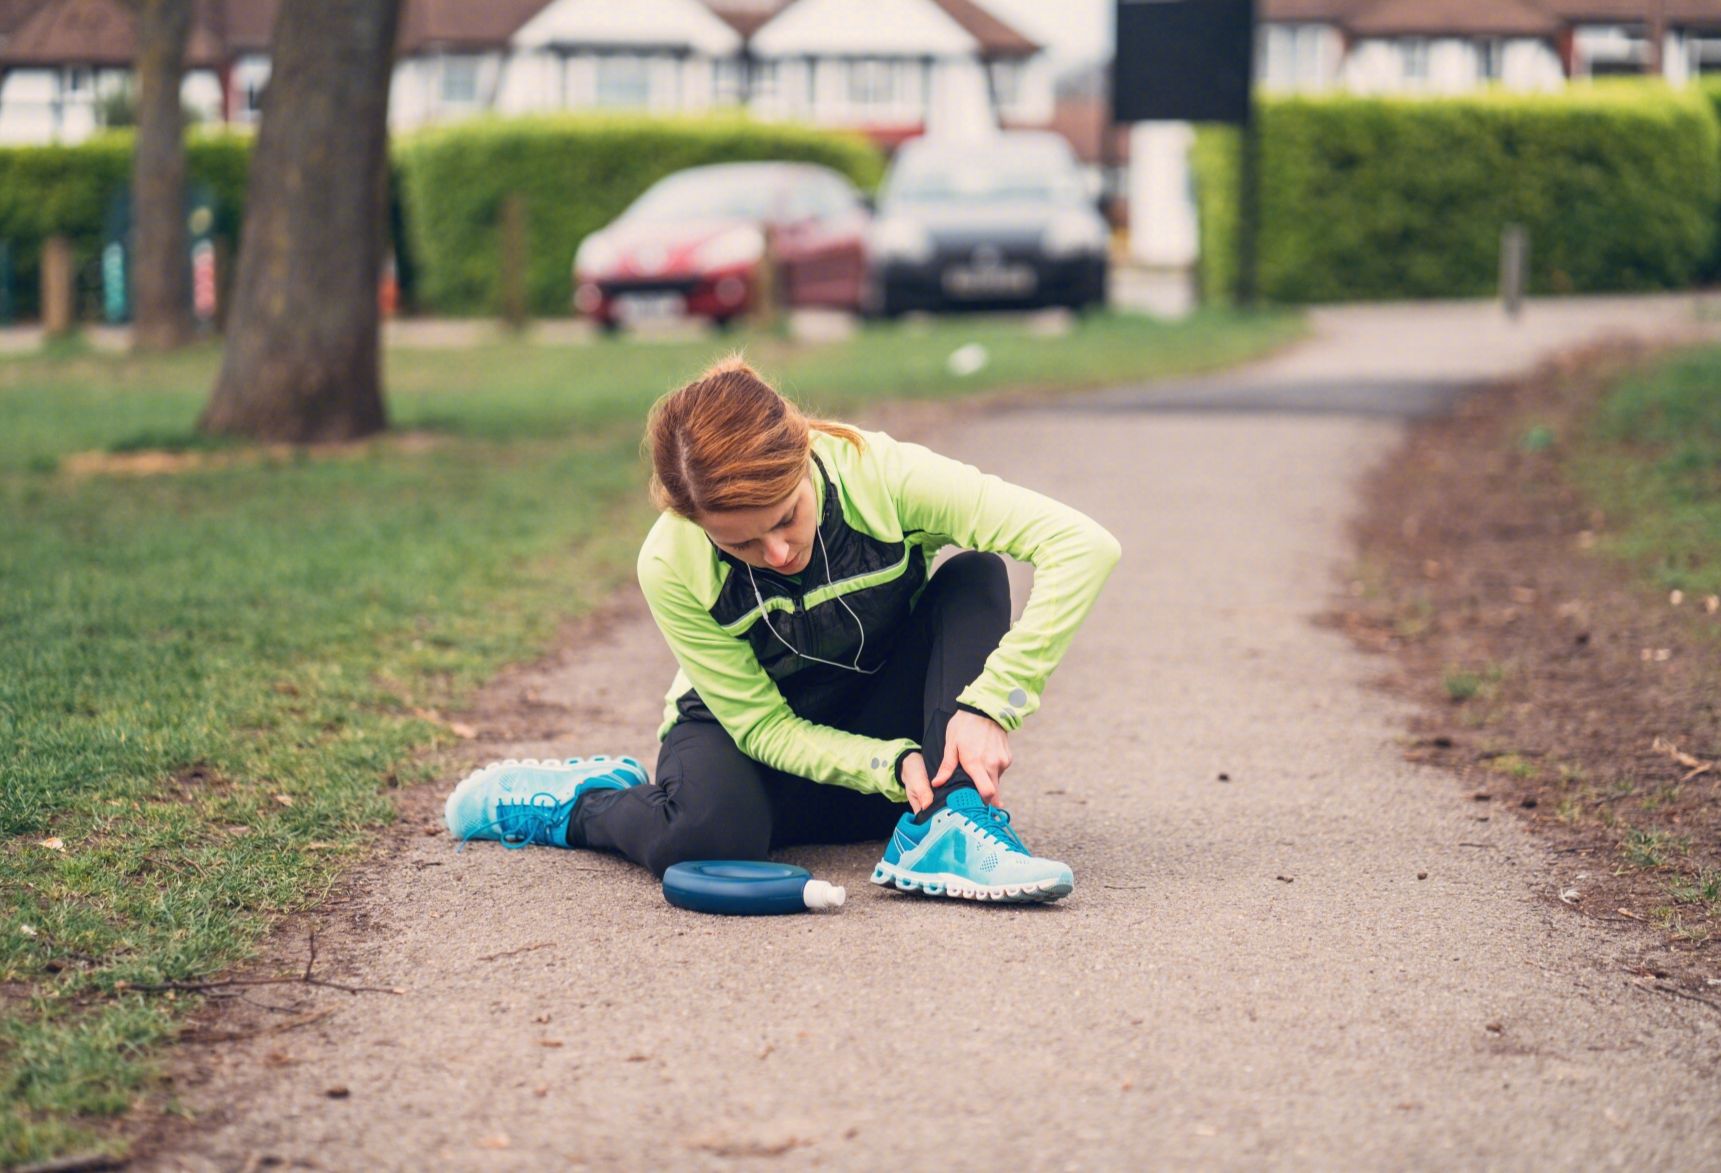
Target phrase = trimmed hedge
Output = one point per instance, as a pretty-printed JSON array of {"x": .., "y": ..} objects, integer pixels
[
  {"x": 576, "y": 174},
  {"x": 44, "y": 190},
  {"x": 1365, "y": 198}
]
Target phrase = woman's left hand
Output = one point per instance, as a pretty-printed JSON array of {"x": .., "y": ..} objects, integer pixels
[{"x": 981, "y": 747}]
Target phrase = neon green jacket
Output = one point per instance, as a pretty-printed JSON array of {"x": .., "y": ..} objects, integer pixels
[{"x": 885, "y": 512}]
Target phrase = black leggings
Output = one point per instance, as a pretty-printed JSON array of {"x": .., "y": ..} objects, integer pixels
[{"x": 711, "y": 801}]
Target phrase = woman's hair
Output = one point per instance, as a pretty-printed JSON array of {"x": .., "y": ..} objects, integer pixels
[{"x": 728, "y": 440}]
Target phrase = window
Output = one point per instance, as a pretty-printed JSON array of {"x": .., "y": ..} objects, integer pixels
[
  {"x": 728, "y": 81},
  {"x": 1414, "y": 50},
  {"x": 1306, "y": 56},
  {"x": 459, "y": 86},
  {"x": 764, "y": 80},
  {"x": 872, "y": 83},
  {"x": 1491, "y": 59},
  {"x": 1006, "y": 83},
  {"x": 623, "y": 80},
  {"x": 1292, "y": 56}
]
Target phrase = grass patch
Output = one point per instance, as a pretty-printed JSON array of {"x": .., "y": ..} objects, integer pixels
[
  {"x": 1651, "y": 458},
  {"x": 1464, "y": 684},
  {"x": 210, "y": 679}
]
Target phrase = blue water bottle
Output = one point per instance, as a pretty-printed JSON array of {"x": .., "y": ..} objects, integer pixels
[{"x": 741, "y": 887}]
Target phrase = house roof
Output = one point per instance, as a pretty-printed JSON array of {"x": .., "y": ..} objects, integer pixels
[
  {"x": 746, "y": 16},
  {"x": 89, "y": 32},
  {"x": 1677, "y": 12},
  {"x": 248, "y": 25},
  {"x": 104, "y": 32},
  {"x": 461, "y": 24},
  {"x": 996, "y": 38},
  {"x": 1453, "y": 17},
  {"x": 1315, "y": 11},
  {"x": 14, "y": 13}
]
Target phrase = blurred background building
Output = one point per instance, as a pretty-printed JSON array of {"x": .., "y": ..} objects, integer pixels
[{"x": 891, "y": 69}]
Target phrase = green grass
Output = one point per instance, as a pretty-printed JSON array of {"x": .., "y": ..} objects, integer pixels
[
  {"x": 209, "y": 680},
  {"x": 1463, "y": 684},
  {"x": 1652, "y": 459}
]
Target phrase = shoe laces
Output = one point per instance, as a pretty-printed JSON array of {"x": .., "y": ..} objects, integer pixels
[
  {"x": 523, "y": 822},
  {"x": 994, "y": 823}
]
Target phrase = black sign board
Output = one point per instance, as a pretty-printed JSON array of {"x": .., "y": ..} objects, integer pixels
[{"x": 1183, "y": 60}]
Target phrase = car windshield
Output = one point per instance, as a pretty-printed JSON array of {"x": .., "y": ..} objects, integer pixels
[
  {"x": 978, "y": 179},
  {"x": 722, "y": 192}
]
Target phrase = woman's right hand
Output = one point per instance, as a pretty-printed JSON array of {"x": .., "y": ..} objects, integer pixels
[{"x": 915, "y": 781}]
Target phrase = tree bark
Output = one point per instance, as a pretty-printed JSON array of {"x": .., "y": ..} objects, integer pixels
[
  {"x": 301, "y": 363},
  {"x": 160, "y": 279}
]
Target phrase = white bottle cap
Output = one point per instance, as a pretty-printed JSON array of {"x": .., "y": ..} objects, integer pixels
[{"x": 819, "y": 894}]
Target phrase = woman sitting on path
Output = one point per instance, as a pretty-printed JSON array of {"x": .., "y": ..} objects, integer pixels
[{"x": 827, "y": 675}]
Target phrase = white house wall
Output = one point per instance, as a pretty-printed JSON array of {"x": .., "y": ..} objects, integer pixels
[
  {"x": 200, "y": 92},
  {"x": 416, "y": 95},
  {"x": 1299, "y": 58},
  {"x": 879, "y": 28},
  {"x": 28, "y": 104},
  {"x": 685, "y": 24},
  {"x": 1532, "y": 64},
  {"x": 64, "y": 105},
  {"x": 1037, "y": 95}
]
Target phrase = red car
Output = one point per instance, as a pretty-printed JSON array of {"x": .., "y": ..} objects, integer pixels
[{"x": 693, "y": 243}]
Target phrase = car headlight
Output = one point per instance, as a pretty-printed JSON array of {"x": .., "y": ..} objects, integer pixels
[
  {"x": 896, "y": 239},
  {"x": 737, "y": 246},
  {"x": 595, "y": 254},
  {"x": 1072, "y": 233}
]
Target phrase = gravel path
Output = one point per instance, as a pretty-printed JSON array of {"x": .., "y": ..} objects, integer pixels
[{"x": 1287, "y": 947}]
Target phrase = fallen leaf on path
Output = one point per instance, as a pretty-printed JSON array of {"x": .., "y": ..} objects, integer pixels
[
  {"x": 498, "y": 1141},
  {"x": 27, "y": 930},
  {"x": 1696, "y": 766},
  {"x": 549, "y": 1042},
  {"x": 53, "y": 844},
  {"x": 1286, "y": 879},
  {"x": 339, "y": 1092},
  {"x": 283, "y": 799}
]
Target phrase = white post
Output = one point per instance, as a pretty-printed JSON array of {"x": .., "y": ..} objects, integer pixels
[{"x": 1162, "y": 225}]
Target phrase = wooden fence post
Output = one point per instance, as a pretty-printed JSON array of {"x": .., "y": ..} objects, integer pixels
[{"x": 59, "y": 291}]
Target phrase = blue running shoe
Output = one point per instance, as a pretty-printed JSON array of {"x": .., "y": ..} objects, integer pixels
[
  {"x": 531, "y": 801},
  {"x": 968, "y": 850}
]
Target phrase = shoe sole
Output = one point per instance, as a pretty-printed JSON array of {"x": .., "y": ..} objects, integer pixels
[{"x": 944, "y": 884}]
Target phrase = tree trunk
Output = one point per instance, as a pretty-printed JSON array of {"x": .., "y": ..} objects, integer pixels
[
  {"x": 301, "y": 363},
  {"x": 160, "y": 279}
]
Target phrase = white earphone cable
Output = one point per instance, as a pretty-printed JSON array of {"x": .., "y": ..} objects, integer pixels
[{"x": 765, "y": 617}]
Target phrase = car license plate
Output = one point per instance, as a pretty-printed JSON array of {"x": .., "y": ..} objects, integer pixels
[
  {"x": 648, "y": 307},
  {"x": 989, "y": 280}
]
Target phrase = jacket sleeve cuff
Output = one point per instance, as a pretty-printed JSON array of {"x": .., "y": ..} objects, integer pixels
[{"x": 902, "y": 757}]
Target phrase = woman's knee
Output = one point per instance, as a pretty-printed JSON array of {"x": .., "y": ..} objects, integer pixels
[
  {"x": 714, "y": 804},
  {"x": 980, "y": 578}
]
